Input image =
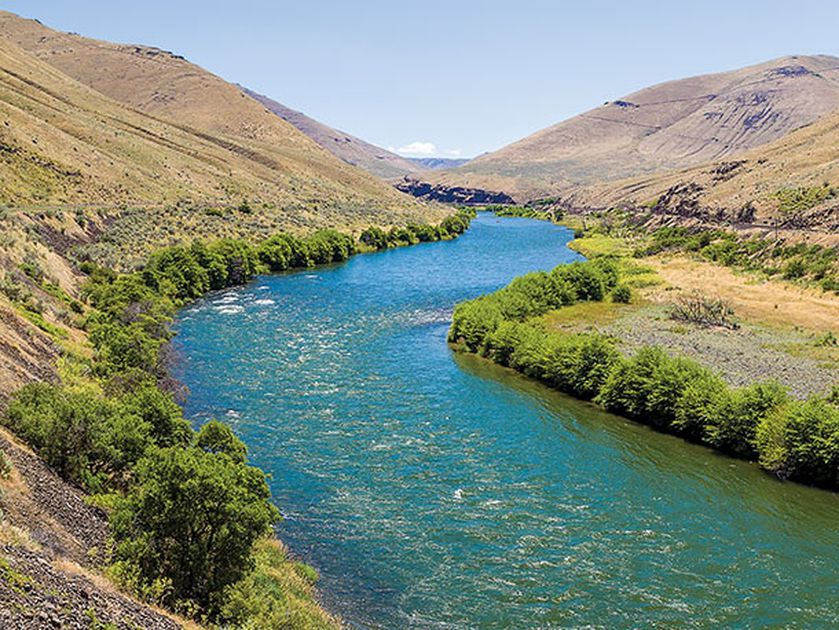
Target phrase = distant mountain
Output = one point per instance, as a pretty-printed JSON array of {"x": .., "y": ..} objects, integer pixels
[
  {"x": 91, "y": 121},
  {"x": 667, "y": 126},
  {"x": 352, "y": 150},
  {"x": 433, "y": 164}
]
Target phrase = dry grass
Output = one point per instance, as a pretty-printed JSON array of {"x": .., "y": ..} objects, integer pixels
[
  {"x": 104, "y": 585},
  {"x": 768, "y": 302},
  {"x": 97, "y": 123},
  {"x": 807, "y": 158}
]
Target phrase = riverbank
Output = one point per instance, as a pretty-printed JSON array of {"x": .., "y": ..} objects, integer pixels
[
  {"x": 613, "y": 331},
  {"x": 131, "y": 444},
  {"x": 785, "y": 330}
]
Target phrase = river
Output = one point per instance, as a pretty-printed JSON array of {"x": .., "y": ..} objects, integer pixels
[{"x": 433, "y": 490}]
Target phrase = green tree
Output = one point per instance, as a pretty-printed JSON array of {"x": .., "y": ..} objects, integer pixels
[
  {"x": 191, "y": 522},
  {"x": 215, "y": 437}
]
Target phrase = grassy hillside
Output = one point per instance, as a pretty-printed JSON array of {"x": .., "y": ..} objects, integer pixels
[
  {"x": 667, "y": 126},
  {"x": 164, "y": 131},
  {"x": 352, "y": 150}
]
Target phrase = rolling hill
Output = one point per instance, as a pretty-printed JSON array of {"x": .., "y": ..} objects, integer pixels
[
  {"x": 667, "y": 126},
  {"x": 352, "y": 150},
  {"x": 133, "y": 124}
]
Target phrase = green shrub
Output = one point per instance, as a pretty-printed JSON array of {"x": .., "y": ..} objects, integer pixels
[
  {"x": 473, "y": 322},
  {"x": 176, "y": 273},
  {"x": 503, "y": 341},
  {"x": 374, "y": 237},
  {"x": 5, "y": 466},
  {"x": 283, "y": 251},
  {"x": 586, "y": 279},
  {"x": 732, "y": 428},
  {"x": 329, "y": 246},
  {"x": 622, "y": 294},
  {"x": 648, "y": 386},
  {"x": 800, "y": 440},
  {"x": 530, "y": 356},
  {"x": 699, "y": 406},
  {"x": 84, "y": 437},
  {"x": 579, "y": 364}
]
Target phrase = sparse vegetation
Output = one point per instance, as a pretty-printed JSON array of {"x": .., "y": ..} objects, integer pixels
[
  {"x": 704, "y": 311},
  {"x": 811, "y": 264},
  {"x": 800, "y": 199}
]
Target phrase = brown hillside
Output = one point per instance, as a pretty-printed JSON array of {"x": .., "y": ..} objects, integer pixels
[
  {"x": 352, "y": 150},
  {"x": 185, "y": 133},
  {"x": 793, "y": 181},
  {"x": 667, "y": 126}
]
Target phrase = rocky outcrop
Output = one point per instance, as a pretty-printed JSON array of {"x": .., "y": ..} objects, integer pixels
[{"x": 452, "y": 194}]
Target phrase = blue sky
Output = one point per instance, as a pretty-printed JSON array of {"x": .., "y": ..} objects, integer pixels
[{"x": 453, "y": 78}]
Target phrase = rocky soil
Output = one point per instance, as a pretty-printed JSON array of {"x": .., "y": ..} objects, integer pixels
[
  {"x": 35, "y": 593},
  {"x": 747, "y": 355},
  {"x": 50, "y": 543}
]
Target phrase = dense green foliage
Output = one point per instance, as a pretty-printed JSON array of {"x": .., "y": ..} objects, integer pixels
[
  {"x": 793, "y": 439},
  {"x": 186, "y": 528},
  {"x": 809, "y": 263},
  {"x": 375, "y": 238},
  {"x": 187, "y": 511}
]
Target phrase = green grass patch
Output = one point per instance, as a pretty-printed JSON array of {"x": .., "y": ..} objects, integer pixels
[
  {"x": 586, "y": 314},
  {"x": 16, "y": 580},
  {"x": 594, "y": 245},
  {"x": 279, "y": 593}
]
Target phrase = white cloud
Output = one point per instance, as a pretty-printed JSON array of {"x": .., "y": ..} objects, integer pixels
[
  {"x": 420, "y": 149},
  {"x": 454, "y": 153}
]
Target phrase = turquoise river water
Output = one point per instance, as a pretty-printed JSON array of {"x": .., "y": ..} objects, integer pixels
[{"x": 434, "y": 490}]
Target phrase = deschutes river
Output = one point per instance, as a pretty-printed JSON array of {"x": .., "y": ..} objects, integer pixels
[{"x": 433, "y": 490}]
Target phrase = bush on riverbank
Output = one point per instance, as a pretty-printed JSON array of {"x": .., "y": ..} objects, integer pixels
[
  {"x": 375, "y": 238},
  {"x": 793, "y": 439},
  {"x": 188, "y": 514}
]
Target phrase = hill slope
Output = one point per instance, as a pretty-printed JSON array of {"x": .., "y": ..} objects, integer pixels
[
  {"x": 793, "y": 182},
  {"x": 352, "y": 150},
  {"x": 667, "y": 126},
  {"x": 227, "y": 146}
]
